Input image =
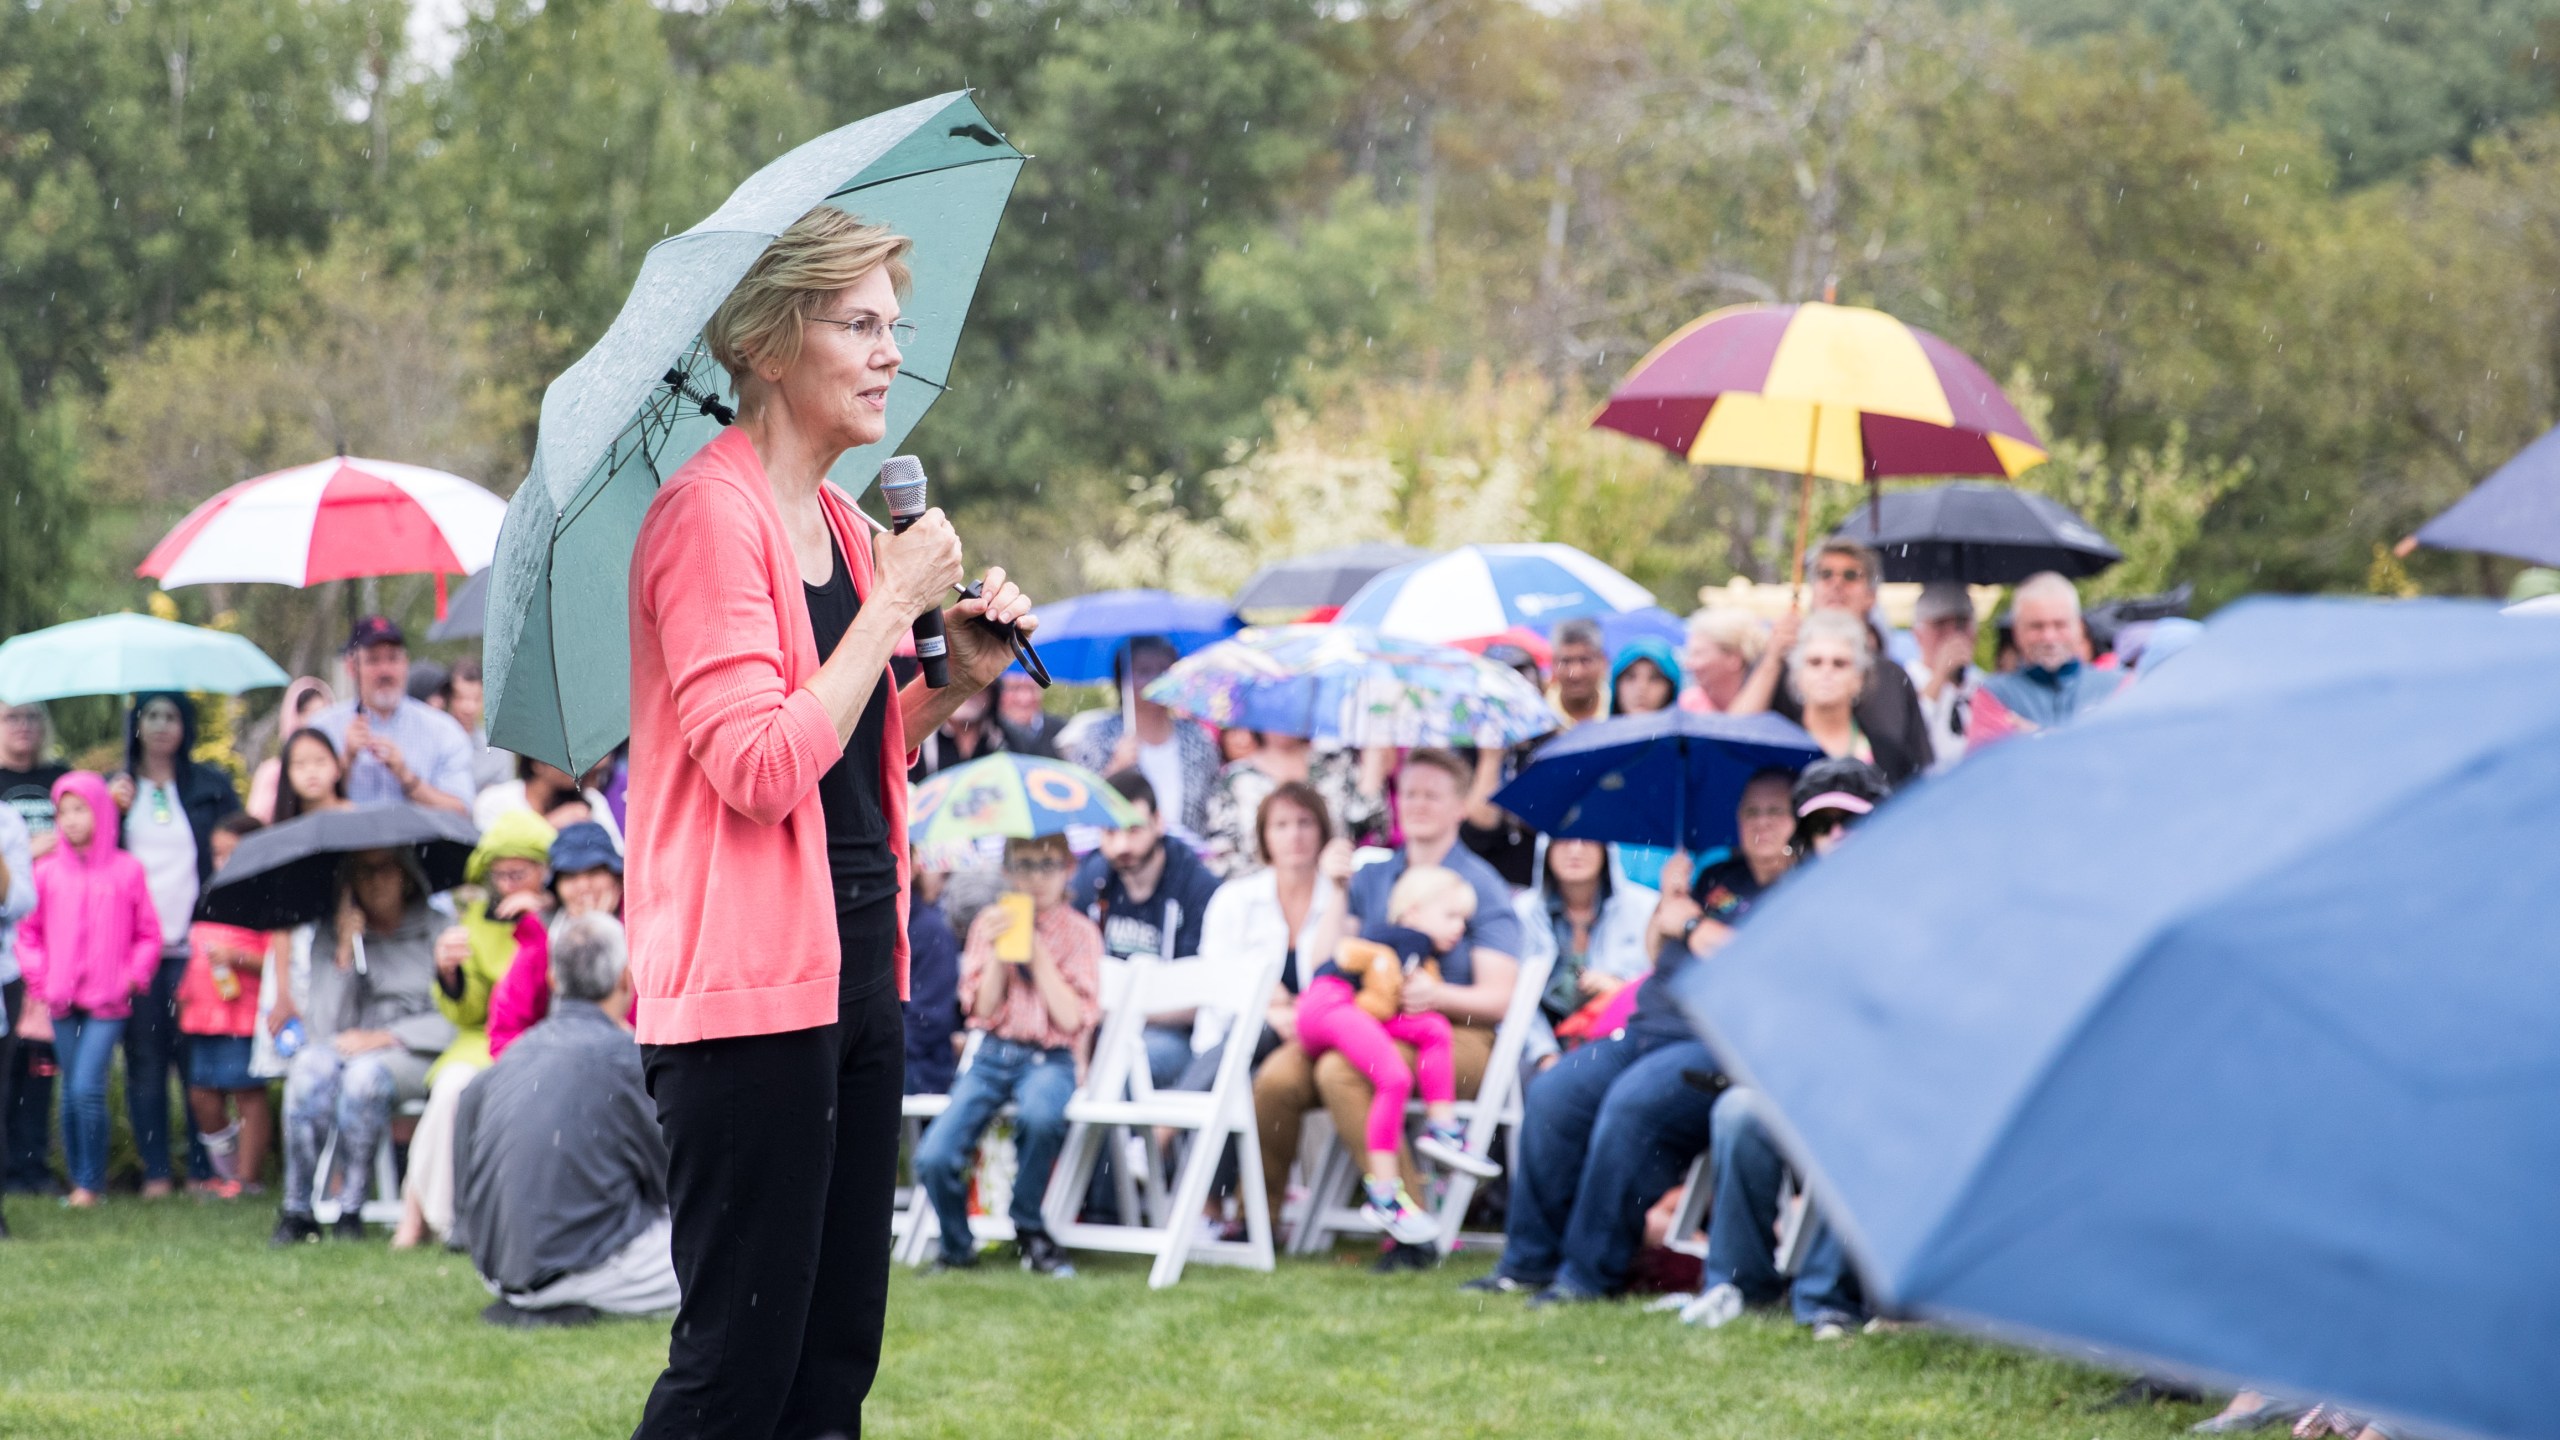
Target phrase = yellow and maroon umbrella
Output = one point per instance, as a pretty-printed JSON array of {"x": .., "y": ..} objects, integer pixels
[{"x": 1819, "y": 389}]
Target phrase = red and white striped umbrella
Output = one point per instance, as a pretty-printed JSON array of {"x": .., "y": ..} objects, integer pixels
[{"x": 337, "y": 520}]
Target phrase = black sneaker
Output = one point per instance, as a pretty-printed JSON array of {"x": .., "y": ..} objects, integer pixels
[
  {"x": 294, "y": 1229},
  {"x": 1044, "y": 1256},
  {"x": 511, "y": 1317},
  {"x": 1399, "y": 1258},
  {"x": 348, "y": 1226},
  {"x": 1496, "y": 1283}
]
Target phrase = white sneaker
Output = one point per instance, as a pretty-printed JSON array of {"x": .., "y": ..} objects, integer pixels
[
  {"x": 1714, "y": 1310},
  {"x": 1455, "y": 1155},
  {"x": 1403, "y": 1219},
  {"x": 1671, "y": 1303}
]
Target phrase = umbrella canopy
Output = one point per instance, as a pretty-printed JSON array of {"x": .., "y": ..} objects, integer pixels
[
  {"x": 1080, "y": 637},
  {"x": 1328, "y": 577},
  {"x": 1010, "y": 796},
  {"x": 128, "y": 654},
  {"x": 467, "y": 617},
  {"x": 2516, "y": 511},
  {"x": 287, "y": 874},
  {"x": 1977, "y": 534},
  {"x": 1486, "y": 589},
  {"x": 637, "y": 405},
  {"x": 1651, "y": 622},
  {"x": 2151, "y": 1035},
  {"x": 1349, "y": 685},
  {"x": 338, "y": 519},
  {"x": 1815, "y": 389},
  {"x": 1671, "y": 778}
]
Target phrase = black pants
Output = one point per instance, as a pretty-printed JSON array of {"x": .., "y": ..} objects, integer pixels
[
  {"x": 13, "y": 1000},
  {"x": 782, "y": 1172}
]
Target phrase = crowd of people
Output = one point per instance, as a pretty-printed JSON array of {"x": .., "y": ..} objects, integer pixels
[{"x": 469, "y": 1030}]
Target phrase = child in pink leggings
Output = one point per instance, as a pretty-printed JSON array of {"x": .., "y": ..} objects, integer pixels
[{"x": 1353, "y": 1005}]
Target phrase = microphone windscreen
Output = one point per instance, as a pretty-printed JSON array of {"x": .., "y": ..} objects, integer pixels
[{"x": 902, "y": 485}]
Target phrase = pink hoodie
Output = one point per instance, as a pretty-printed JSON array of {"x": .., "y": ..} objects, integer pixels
[{"x": 93, "y": 939}]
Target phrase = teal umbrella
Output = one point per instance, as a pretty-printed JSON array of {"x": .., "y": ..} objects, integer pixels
[
  {"x": 635, "y": 407},
  {"x": 128, "y": 654}
]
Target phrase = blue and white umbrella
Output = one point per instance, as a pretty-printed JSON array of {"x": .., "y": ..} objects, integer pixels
[{"x": 1486, "y": 589}]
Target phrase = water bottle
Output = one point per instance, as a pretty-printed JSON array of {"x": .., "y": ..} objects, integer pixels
[{"x": 289, "y": 1038}]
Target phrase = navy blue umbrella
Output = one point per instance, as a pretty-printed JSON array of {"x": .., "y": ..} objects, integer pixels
[
  {"x": 2516, "y": 511},
  {"x": 1671, "y": 778},
  {"x": 2219, "y": 1032}
]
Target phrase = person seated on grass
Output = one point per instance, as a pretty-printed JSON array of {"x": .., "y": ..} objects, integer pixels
[
  {"x": 1355, "y": 1004},
  {"x": 1473, "y": 988},
  {"x": 1832, "y": 797},
  {"x": 1608, "y": 1130},
  {"x": 1039, "y": 1014},
  {"x": 560, "y": 1171},
  {"x": 218, "y": 1013},
  {"x": 370, "y": 1030}
]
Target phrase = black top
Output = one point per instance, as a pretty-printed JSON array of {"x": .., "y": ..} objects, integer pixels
[
  {"x": 1726, "y": 892},
  {"x": 30, "y": 793},
  {"x": 1411, "y": 946},
  {"x": 859, "y": 861}
]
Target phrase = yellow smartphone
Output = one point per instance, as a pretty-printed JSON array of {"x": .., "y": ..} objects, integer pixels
[{"x": 1013, "y": 943}]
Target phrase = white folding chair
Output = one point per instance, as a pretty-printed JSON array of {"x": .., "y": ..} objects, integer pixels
[
  {"x": 1330, "y": 1210},
  {"x": 1118, "y": 1097},
  {"x": 913, "y": 1228},
  {"x": 382, "y": 1206}
]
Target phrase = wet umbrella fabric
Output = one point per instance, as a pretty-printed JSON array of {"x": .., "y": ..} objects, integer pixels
[
  {"x": 1328, "y": 577},
  {"x": 2516, "y": 511},
  {"x": 466, "y": 616},
  {"x": 637, "y": 405},
  {"x": 1080, "y": 637},
  {"x": 1977, "y": 534},
  {"x": 126, "y": 655},
  {"x": 287, "y": 874},
  {"x": 1671, "y": 778},
  {"x": 1346, "y": 684},
  {"x": 2218, "y": 1033}
]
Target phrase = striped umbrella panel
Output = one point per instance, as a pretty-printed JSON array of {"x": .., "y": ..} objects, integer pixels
[
  {"x": 339, "y": 519},
  {"x": 1486, "y": 589}
]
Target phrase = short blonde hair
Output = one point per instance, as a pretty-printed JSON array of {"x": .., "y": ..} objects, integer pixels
[
  {"x": 823, "y": 254},
  {"x": 1732, "y": 629},
  {"x": 1423, "y": 884}
]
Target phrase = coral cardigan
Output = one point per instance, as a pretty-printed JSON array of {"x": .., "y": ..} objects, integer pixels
[{"x": 729, "y": 901}]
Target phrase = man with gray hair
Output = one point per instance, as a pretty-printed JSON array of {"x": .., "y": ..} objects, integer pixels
[
  {"x": 1942, "y": 620},
  {"x": 1580, "y": 689},
  {"x": 560, "y": 1172},
  {"x": 2054, "y": 680}
]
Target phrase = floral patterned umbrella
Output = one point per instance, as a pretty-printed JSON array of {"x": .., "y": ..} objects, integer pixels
[{"x": 1350, "y": 685}]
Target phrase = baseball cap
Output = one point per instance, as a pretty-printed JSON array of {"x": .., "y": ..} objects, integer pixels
[
  {"x": 1840, "y": 783},
  {"x": 376, "y": 630}
]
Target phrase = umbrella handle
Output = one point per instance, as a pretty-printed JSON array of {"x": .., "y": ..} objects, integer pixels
[{"x": 1804, "y": 504}]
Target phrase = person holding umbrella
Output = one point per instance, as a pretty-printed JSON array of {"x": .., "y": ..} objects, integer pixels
[
  {"x": 1884, "y": 706},
  {"x": 396, "y": 747},
  {"x": 768, "y": 799}
]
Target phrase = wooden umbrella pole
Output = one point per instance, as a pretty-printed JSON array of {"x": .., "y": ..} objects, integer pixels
[{"x": 1804, "y": 503}]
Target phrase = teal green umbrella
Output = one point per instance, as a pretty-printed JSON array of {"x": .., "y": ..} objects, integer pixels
[
  {"x": 635, "y": 407},
  {"x": 128, "y": 654}
]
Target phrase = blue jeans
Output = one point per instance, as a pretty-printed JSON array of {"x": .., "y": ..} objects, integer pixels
[
  {"x": 83, "y": 1047},
  {"x": 1039, "y": 1083},
  {"x": 153, "y": 1048},
  {"x": 1603, "y": 1135},
  {"x": 1740, "y": 1250},
  {"x": 1168, "y": 1054}
]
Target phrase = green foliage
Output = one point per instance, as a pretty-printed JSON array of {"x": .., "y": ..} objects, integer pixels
[{"x": 47, "y": 506}]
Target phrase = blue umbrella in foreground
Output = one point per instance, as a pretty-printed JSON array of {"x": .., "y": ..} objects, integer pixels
[
  {"x": 2219, "y": 1033},
  {"x": 1079, "y": 637},
  {"x": 2516, "y": 511},
  {"x": 1669, "y": 779},
  {"x": 128, "y": 654},
  {"x": 648, "y": 395}
]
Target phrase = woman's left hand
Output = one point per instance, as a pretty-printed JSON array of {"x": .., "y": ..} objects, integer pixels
[{"x": 978, "y": 654}]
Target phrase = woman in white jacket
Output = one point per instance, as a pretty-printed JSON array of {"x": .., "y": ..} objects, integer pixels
[{"x": 1292, "y": 908}]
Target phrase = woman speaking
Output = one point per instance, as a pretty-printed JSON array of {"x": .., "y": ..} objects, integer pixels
[{"x": 768, "y": 852}]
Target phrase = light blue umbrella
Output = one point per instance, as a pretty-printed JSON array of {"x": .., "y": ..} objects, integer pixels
[
  {"x": 635, "y": 407},
  {"x": 128, "y": 654},
  {"x": 2218, "y": 1032},
  {"x": 1080, "y": 637}
]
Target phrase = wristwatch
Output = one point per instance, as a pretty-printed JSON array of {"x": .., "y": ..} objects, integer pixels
[{"x": 1691, "y": 927}]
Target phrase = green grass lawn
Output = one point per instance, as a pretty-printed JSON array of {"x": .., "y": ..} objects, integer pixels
[{"x": 174, "y": 1319}]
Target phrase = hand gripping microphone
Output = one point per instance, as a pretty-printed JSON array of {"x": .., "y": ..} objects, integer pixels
[{"x": 902, "y": 486}]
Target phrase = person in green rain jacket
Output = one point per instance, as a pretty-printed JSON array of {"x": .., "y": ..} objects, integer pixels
[{"x": 512, "y": 868}]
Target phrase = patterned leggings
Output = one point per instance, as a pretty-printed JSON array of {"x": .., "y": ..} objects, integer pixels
[{"x": 327, "y": 1092}]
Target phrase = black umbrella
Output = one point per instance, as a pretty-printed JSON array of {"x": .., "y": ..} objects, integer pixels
[
  {"x": 1328, "y": 577},
  {"x": 1978, "y": 534},
  {"x": 287, "y": 874},
  {"x": 466, "y": 615}
]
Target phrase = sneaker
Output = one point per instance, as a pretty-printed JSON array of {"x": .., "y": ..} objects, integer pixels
[
  {"x": 1398, "y": 1257},
  {"x": 1400, "y": 1217},
  {"x": 1670, "y": 1302},
  {"x": 1449, "y": 1147},
  {"x": 1560, "y": 1293},
  {"x": 294, "y": 1229},
  {"x": 1719, "y": 1307},
  {"x": 1042, "y": 1255},
  {"x": 1496, "y": 1283},
  {"x": 348, "y": 1226},
  {"x": 1829, "y": 1329}
]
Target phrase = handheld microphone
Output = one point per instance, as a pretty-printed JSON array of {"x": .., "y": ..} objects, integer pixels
[{"x": 902, "y": 486}]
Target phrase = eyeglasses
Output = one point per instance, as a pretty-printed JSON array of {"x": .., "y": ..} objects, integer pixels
[
  {"x": 871, "y": 329},
  {"x": 1839, "y": 574}
]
